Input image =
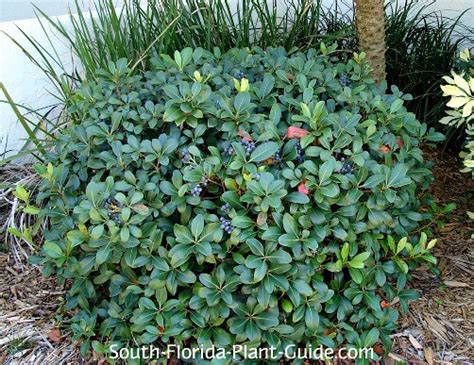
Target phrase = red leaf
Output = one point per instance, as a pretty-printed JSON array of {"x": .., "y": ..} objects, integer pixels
[
  {"x": 55, "y": 335},
  {"x": 303, "y": 189},
  {"x": 384, "y": 149},
  {"x": 379, "y": 349},
  {"x": 384, "y": 304},
  {"x": 245, "y": 136},
  {"x": 295, "y": 132}
]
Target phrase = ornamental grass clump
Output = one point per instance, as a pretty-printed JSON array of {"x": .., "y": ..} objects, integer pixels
[{"x": 192, "y": 206}]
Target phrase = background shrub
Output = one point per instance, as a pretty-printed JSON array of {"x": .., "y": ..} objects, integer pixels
[
  {"x": 422, "y": 46},
  {"x": 251, "y": 196}
]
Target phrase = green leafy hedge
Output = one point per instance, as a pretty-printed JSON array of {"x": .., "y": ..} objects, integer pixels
[{"x": 247, "y": 197}]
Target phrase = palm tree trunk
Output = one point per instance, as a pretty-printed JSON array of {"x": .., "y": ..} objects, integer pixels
[{"x": 370, "y": 26}]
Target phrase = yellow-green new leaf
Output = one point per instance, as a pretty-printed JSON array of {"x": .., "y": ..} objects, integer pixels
[{"x": 431, "y": 244}]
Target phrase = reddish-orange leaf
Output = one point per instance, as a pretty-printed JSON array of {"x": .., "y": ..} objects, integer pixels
[
  {"x": 303, "y": 189},
  {"x": 55, "y": 335},
  {"x": 384, "y": 304},
  {"x": 296, "y": 132},
  {"x": 384, "y": 149}
]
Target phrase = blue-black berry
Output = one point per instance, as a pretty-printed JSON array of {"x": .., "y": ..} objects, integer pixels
[
  {"x": 114, "y": 208},
  {"x": 249, "y": 146},
  {"x": 256, "y": 176},
  {"x": 185, "y": 156},
  {"x": 239, "y": 75},
  {"x": 277, "y": 157},
  {"x": 228, "y": 151},
  {"x": 107, "y": 203},
  {"x": 346, "y": 167},
  {"x": 225, "y": 208},
  {"x": 226, "y": 225},
  {"x": 112, "y": 203},
  {"x": 344, "y": 80},
  {"x": 116, "y": 219},
  {"x": 196, "y": 191},
  {"x": 299, "y": 152}
]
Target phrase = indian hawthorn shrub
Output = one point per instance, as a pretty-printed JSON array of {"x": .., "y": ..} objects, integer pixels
[{"x": 253, "y": 197}]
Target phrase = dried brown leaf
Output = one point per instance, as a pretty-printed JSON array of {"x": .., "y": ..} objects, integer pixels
[
  {"x": 415, "y": 342},
  {"x": 436, "y": 327},
  {"x": 395, "y": 357},
  {"x": 456, "y": 284},
  {"x": 429, "y": 355}
]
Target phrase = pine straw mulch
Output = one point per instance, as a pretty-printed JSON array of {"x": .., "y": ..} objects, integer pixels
[
  {"x": 28, "y": 301},
  {"x": 28, "y": 305},
  {"x": 439, "y": 327}
]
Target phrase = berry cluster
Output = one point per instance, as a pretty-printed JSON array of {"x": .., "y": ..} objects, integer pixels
[
  {"x": 226, "y": 225},
  {"x": 197, "y": 190},
  {"x": 256, "y": 176},
  {"x": 228, "y": 151},
  {"x": 344, "y": 80},
  {"x": 108, "y": 203},
  {"x": 346, "y": 167},
  {"x": 249, "y": 146},
  {"x": 277, "y": 157},
  {"x": 299, "y": 152},
  {"x": 225, "y": 208},
  {"x": 113, "y": 208},
  {"x": 239, "y": 75},
  {"x": 185, "y": 156}
]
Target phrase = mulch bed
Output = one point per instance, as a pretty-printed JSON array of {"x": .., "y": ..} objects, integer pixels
[
  {"x": 439, "y": 327},
  {"x": 28, "y": 305}
]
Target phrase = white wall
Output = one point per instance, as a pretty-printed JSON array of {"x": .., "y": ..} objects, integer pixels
[
  {"x": 28, "y": 86},
  {"x": 24, "y": 82}
]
